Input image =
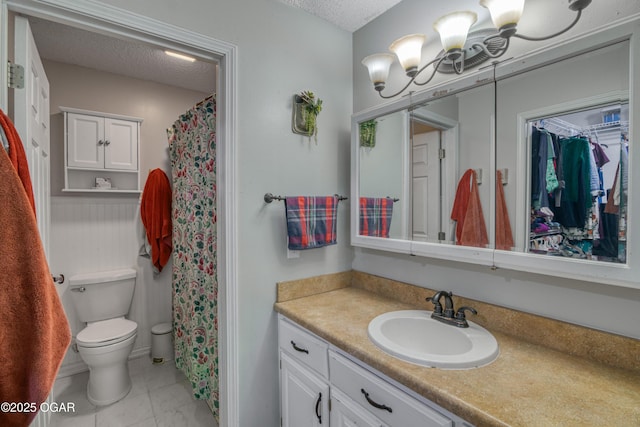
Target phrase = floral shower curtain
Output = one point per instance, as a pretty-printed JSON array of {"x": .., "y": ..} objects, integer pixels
[{"x": 192, "y": 146}]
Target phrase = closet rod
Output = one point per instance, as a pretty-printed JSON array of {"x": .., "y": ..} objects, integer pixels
[{"x": 268, "y": 197}]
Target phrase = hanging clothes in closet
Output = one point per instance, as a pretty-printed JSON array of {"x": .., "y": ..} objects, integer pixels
[
  {"x": 192, "y": 146},
  {"x": 567, "y": 216}
]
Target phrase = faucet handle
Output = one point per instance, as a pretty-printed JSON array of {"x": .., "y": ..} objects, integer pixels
[
  {"x": 460, "y": 313},
  {"x": 437, "y": 307}
]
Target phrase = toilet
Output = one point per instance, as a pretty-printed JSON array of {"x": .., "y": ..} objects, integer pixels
[{"x": 101, "y": 301}]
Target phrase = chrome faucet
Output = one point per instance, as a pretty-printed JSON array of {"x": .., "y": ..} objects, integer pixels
[{"x": 447, "y": 315}]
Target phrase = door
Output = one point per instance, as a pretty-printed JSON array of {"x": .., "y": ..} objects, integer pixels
[
  {"x": 426, "y": 186},
  {"x": 85, "y": 147},
  {"x": 304, "y": 396},
  {"x": 121, "y": 144},
  {"x": 31, "y": 112}
]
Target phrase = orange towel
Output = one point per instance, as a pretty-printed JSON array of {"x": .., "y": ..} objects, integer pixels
[
  {"x": 18, "y": 157},
  {"x": 467, "y": 212},
  {"x": 155, "y": 210},
  {"x": 504, "y": 236},
  {"x": 34, "y": 331}
]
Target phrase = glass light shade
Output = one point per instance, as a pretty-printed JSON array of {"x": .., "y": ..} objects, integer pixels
[
  {"x": 504, "y": 12},
  {"x": 378, "y": 65},
  {"x": 453, "y": 29},
  {"x": 408, "y": 49}
]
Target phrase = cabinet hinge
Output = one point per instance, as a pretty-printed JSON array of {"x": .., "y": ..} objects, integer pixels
[
  {"x": 15, "y": 74},
  {"x": 441, "y": 235},
  {"x": 281, "y": 364},
  {"x": 441, "y": 153},
  {"x": 329, "y": 405}
]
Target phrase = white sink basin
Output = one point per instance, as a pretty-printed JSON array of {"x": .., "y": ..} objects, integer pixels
[{"x": 413, "y": 336}]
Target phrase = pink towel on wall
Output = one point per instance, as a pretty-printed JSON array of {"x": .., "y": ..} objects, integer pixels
[
  {"x": 471, "y": 229},
  {"x": 504, "y": 236}
]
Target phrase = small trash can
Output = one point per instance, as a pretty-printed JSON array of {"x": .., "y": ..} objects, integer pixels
[{"x": 161, "y": 343}]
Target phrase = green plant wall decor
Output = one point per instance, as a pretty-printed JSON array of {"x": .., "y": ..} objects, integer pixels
[
  {"x": 368, "y": 133},
  {"x": 306, "y": 109}
]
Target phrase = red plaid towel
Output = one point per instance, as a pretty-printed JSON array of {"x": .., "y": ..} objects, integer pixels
[{"x": 311, "y": 221}]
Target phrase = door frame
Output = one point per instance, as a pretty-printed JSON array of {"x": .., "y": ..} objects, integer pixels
[{"x": 99, "y": 17}]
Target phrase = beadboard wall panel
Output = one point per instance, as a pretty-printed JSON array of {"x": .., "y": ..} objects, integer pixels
[{"x": 101, "y": 233}]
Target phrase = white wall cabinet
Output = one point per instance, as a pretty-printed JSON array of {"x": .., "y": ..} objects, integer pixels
[
  {"x": 101, "y": 145},
  {"x": 311, "y": 369}
]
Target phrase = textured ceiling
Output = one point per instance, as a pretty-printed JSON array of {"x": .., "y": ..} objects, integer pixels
[
  {"x": 349, "y": 15},
  {"x": 61, "y": 43}
]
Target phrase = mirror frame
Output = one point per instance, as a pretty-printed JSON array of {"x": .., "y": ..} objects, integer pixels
[{"x": 625, "y": 275}]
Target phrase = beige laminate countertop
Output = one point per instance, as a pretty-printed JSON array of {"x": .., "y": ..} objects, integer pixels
[{"x": 527, "y": 385}]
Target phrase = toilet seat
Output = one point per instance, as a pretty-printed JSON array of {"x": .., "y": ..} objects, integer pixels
[{"x": 106, "y": 332}]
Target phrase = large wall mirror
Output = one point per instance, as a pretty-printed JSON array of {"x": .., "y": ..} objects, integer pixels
[{"x": 538, "y": 159}]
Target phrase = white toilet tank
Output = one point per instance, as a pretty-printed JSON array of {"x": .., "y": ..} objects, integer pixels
[{"x": 102, "y": 295}]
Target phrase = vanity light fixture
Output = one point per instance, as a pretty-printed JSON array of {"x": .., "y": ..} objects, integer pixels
[
  {"x": 461, "y": 49},
  {"x": 180, "y": 56}
]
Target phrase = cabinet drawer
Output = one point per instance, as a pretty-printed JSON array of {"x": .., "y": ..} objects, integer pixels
[
  {"x": 385, "y": 401},
  {"x": 303, "y": 346}
]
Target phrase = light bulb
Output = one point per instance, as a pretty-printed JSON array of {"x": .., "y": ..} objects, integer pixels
[
  {"x": 408, "y": 49},
  {"x": 378, "y": 65},
  {"x": 453, "y": 29}
]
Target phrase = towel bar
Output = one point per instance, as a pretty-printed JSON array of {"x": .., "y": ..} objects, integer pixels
[{"x": 268, "y": 197}]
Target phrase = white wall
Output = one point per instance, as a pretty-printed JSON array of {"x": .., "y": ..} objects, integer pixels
[
  {"x": 102, "y": 232},
  {"x": 599, "y": 306},
  {"x": 281, "y": 51}
]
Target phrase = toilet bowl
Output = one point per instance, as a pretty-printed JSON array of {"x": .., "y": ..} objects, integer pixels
[
  {"x": 102, "y": 300},
  {"x": 105, "y": 347}
]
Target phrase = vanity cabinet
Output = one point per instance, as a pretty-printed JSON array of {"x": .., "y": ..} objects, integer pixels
[
  {"x": 101, "y": 145},
  {"x": 304, "y": 377},
  {"x": 320, "y": 385},
  {"x": 304, "y": 395}
]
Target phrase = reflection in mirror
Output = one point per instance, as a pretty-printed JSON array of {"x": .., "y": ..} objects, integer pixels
[
  {"x": 571, "y": 121},
  {"x": 409, "y": 174},
  {"x": 382, "y": 184},
  {"x": 451, "y": 148},
  {"x": 579, "y": 185}
]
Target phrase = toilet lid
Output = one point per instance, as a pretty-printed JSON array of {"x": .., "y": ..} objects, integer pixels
[{"x": 106, "y": 332}]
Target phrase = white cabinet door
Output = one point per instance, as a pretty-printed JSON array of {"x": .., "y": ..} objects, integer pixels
[
  {"x": 346, "y": 413},
  {"x": 85, "y": 141},
  {"x": 120, "y": 144},
  {"x": 304, "y": 396}
]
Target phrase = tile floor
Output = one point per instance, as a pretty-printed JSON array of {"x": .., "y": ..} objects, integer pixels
[{"x": 160, "y": 396}]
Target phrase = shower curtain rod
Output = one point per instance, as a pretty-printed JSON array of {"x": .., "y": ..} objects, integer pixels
[
  {"x": 268, "y": 197},
  {"x": 205, "y": 100}
]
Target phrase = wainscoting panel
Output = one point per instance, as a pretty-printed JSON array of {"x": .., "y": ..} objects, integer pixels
[{"x": 100, "y": 233}]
